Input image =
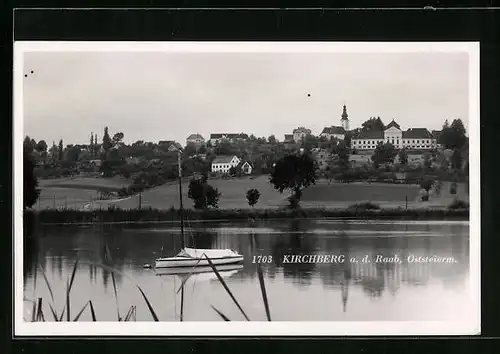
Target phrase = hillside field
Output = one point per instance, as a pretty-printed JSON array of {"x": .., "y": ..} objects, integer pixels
[{"x": 81, "y": 193}]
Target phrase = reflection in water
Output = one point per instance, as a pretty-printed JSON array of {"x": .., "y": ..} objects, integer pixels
[{"x": 289, "y": 285}]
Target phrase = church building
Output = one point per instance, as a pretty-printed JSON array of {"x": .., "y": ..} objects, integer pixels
[{"x": 337, "y": 132}]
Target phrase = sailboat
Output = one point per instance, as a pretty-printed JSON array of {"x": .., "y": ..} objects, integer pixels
[{"x": 191, "y": 257}]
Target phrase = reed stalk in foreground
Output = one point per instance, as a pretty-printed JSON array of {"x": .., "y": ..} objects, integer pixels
[
  {"x": 37, "y": 311},
  {"x": 38, "y": 315}
]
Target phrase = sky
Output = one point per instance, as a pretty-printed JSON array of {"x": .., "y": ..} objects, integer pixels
[{"x": 154, "y": 96}]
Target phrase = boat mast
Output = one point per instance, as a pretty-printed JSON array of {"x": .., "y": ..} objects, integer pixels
[{"x": 180, "y": 197}]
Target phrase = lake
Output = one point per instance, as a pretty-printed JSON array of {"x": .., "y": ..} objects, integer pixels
[{"x": 349, "y": 291}]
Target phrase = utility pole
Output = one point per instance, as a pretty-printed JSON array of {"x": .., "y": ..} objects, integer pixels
[{"x": 179, "y": 152}]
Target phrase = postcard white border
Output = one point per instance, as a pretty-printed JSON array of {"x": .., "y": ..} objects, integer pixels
[{"x": 472, "y": 326}]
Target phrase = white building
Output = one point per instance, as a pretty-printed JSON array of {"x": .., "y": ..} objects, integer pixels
[
  {"x": 300, "y": 133},
  {"x": 224, "y": 163},
  {"x": 413, "y": 138},
  {"x": 333, "y": 132}
]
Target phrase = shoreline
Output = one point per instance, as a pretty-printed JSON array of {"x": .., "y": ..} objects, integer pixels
[{"x": 143, "y": 216}]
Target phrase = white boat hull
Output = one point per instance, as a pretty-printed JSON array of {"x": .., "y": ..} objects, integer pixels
[
  {"x": 178, "y": 262},
  {"x": 227, "y": 269}
]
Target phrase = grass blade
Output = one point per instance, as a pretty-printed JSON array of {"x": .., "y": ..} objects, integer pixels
[
  {"x": 261, "y": 281},
  {"x": 107, "y": 256},
  {"x": 54, "y": 313},
  {"x": 129, "y": 313},
  {"x": 187, "y": 277},
  {"x": 80, "y": 313},
  {"x": 116, "y": 296},
  {"x": 226, "y": 287},
  {"x": 39, "y": 310},
  {"x": 73, "y": 276},
  {"x": 33, "y": 312},
  {"x": 68, "y": 289},
  {"x": 92, "y": 312},
  {"x": 224, "y": 317},
  {"x": 62, "y": 314},
  {"x": 263, "y": 290},
  {"x": 46, "y": 282},
  {"x": 153, "y": 313}
]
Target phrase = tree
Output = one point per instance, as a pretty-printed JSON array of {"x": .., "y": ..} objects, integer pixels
[
  {"x": 456, "y": 159},
  {"x": 453, "y": 136},
  {"x": 225, "y": 148},
  {"x": 272, "y": 139},
  {"x": 33, "y": 144},
  {"x": 60, "y": 150},
  {"x": 232, "y": 171},
  {"x": 384, "y": 154},
  {"x": 117, "y": 139},
  {"x": 190, "y": 150},
  {"x": 342, "y": 152},
  {"x": 347, "y": 139},
  {"x": 294, "y": 173},
  {"x": 30, "y": 185},
  {"x": 212, "y": 196},
  {"x": 106, "y": 141},
  {"x": 53, "y": 152},
  {"x": 73, "y": 153},
  {"x": 253, "y": 196},
  {"x": 373, "y": 124},
  {"x": 27, "y": 146},
  {"x": 309, "y": 142},
  {"x": 41, "y": 146},
  {"x": 403, "y": 157},
  {"x": 427, "y": 161},
  {"x": 203, "y": 194},
  {"x": 106, "y": 168},
  {"x": 426, "y": 184},
  {"x": 202, "y": 149}
]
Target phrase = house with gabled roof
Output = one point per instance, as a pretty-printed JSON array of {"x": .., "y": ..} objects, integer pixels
[
  {"x": 300, "y": 133},
  {"x": 196, "y": 139},
  {"x": 333, "y": 132},
  {"x": 170, "y": 145},
  {"x": 246, "y": 167},
  {"x": 224, "y": 163}
]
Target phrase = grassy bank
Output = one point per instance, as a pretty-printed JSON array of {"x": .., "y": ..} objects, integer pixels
[
  {"x": 323, "y": 195},
  {"x": 156, "y": 215}
]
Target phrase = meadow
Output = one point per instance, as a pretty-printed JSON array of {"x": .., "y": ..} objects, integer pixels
[{"x": 82, "y": 193}]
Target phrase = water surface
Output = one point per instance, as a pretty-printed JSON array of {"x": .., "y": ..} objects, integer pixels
[{"x": 296, "y": 292}]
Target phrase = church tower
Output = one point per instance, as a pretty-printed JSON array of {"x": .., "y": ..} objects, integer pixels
[{"x": 345, "y": 119}]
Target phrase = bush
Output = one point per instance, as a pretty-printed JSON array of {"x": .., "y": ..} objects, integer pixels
[
  {"x": 364, "y": 206},
  {"x": 149, "y": 214},
  {"x": 253, "y": 196},
  {"x": 458, "y": 204}
]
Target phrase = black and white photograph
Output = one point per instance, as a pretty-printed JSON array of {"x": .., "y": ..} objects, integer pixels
[{"x": 279, "y": 188}]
